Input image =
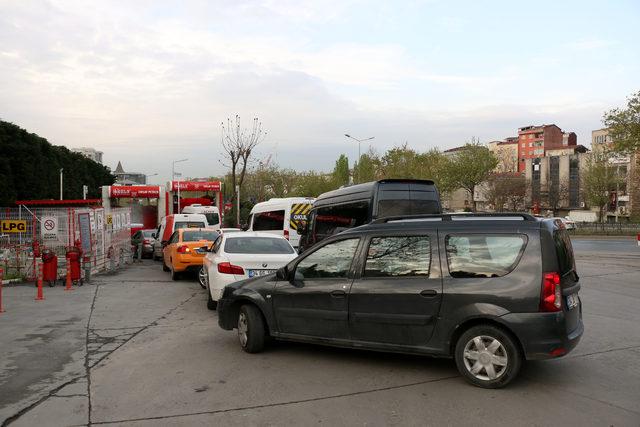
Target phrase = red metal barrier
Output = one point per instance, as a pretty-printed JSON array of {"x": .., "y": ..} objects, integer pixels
[{"x": 1, "y": 278}]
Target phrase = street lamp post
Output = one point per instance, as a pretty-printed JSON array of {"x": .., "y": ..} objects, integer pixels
[
  {"x": 61, "y": 170},
  {"x": 173, "y": 176},
  {"x": 359, "y": 141}
]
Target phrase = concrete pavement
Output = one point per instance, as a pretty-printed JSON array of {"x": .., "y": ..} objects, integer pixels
[{"x": 139, "y": 349}]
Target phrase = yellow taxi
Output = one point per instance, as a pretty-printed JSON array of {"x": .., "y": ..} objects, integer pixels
[{"x": 183, "y": 251}]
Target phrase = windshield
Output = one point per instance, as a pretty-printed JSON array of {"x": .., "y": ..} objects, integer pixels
[
  {"x": 257, "y": 245},
  {"x": 212, "y": 218},
  {"x": 197, "y": 235}
]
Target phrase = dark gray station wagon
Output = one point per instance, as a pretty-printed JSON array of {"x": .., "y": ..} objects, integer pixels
[{"x": 489, "y": 290}]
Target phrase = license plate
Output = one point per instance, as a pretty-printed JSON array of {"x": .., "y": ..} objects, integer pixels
[
  {"x": 254, "y": 273},
  {"x": 572, "y": 301}
]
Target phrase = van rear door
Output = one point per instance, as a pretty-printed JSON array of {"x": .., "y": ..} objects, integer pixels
[{"x": 299, "y": 215}]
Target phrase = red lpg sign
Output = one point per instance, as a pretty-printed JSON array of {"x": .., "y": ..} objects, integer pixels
[
  {"x": 134, "y": 191},
  {"x": 196, "y": 185}
]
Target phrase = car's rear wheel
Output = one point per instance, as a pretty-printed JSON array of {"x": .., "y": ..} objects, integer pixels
[
  {"x": 487, "y": 356},
  {"x": 251, "y": 330},
  {"x": 174, "y": 274},
  {"x": 202, "y": 277},
  {"x": 164, "y": 265},
  {"x": 211, "y": 304}
]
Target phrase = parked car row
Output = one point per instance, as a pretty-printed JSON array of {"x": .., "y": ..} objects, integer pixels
[{"x": 378, "y": 266}]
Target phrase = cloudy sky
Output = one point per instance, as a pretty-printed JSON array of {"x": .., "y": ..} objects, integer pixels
[{"x": 148, "y": 82}]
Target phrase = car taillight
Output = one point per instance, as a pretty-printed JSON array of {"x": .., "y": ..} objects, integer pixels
[
  {"x": 551, "y": 298},
  {"x": 286, "y": 234},
  {"x": 183, "y": 249},
  {"x": 228, "y": 268}
]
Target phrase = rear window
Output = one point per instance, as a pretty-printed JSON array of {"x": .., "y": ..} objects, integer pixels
[
  {"x": 407, "y": 207},
  {"x": 482, "y": 255},
  {"x": 257, "y": 245},
  {"x": 197, "y": 235},
  {"x": 564, "y": 251},
  {"x": 212, "y": 218},
  {"x": 265, "y": 221},
  {"x": 189, "y": 224}
]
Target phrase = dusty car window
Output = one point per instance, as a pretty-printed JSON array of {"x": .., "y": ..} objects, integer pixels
[
  {"x": 481, "y": 255},
  {"x": 398, "y": 256},
  {"x": 332, "y": 260}
]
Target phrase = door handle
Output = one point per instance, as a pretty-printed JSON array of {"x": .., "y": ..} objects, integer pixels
[
  {"x": 429, "y": 293},
  {"x": 338, "y": 294}
]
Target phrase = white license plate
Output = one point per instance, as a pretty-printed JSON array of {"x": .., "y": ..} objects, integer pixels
[
  {"x": 572, "y": 301},
  {"x": 254, "y": 273}
]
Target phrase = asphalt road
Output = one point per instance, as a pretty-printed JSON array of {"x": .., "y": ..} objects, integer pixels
[{"x": 139, "y": 349}]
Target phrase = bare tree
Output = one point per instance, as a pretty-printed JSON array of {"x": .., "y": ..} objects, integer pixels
[
  {"x": 506, "y": 191},
  {"x": 238, "y": 144}
]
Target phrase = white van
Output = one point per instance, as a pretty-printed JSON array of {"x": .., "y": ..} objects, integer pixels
[
  {"x": 211, "y": 212},
  {"x": 281, "y": 217}
]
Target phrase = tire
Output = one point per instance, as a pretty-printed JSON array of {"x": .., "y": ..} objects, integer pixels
[
  {"x": 201, "y": 277},
  {"x": 492, "y": 352},
  {"x": 251, "y": 330},
  {"x": 174, "y": 274},
  {"x": 211, "y": 304},
  {"x": 164, "y": 266}
]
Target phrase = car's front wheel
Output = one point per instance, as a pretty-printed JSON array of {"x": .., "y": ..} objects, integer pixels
[
  {"x": 251, "y": 329},
  {"x": 487, "y": 356}
]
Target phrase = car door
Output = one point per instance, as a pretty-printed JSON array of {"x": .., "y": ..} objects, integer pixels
[
  {"x": 314, "y": 302},
  {"x": 167, "y": 251},
  {"x": 397, "y": 292}
]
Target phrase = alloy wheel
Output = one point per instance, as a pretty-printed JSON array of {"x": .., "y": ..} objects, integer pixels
[
  {"x": 243, "y": 329},
  {"x": 202, "y": 277},
  {"x": 485, "y": 358}
]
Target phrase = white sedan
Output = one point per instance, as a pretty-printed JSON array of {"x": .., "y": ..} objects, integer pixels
[{"x": 239, "y": 256}]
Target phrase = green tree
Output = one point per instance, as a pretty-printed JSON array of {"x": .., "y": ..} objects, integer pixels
[
  {"x": 624, "y": 125},
  {"x": 436, "y": 166},
  {"x": 400, "y": 162},
  {"x": 341, "y": 171},
  {"x": 599, "y": 178},
  {"x": 30, "y": 165},
  {"x": 471, "y": 166},
  {"x": 365, "y": 169}
]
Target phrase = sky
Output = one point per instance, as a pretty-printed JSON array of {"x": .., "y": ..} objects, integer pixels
[{"x": 149, "y": 82}]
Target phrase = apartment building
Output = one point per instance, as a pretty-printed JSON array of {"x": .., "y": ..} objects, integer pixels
[{"x": 535, "y": 141}]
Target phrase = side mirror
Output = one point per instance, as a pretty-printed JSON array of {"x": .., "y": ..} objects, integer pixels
[
  {"x": 204, "y": 248},
  {"x": 164, "y": 243},
  {"x": 282, "y": 273}
]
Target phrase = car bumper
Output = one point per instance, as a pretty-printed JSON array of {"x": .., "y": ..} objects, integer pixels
[
  {"x": 226, "y": 318},
  {"x": 188, "y": 263},
  {"x": 544, "y": 335}
]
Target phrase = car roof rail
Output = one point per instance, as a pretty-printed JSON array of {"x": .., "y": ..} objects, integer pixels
[{"x": 454, "y": 216}]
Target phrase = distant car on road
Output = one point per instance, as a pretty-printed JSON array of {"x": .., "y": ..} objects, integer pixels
[
  {"x": 146, "y": 239},
  {"x": 237, "y": 256},
  {"x": 182, "y": 252},
  {"x": 489, "y": 290}
]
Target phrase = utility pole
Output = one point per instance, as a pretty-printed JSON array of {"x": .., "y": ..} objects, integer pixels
[
  {"x": 173, "y": 177},
  {"x": 359, "y": 141},
  {"x": 61, "y": 169},
  {"x": 85, "y": 190}
]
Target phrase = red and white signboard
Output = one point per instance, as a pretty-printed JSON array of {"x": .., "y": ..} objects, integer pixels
[
  {"x": 196, "y": 185},
  {"x": 49, "y": 228},
  {"x": 134, "y": 191}
]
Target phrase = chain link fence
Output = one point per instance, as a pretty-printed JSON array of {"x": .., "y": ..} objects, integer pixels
[{"x": 26, "y": 232}]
